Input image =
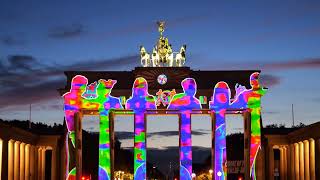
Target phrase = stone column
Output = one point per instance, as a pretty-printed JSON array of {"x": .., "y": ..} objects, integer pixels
[
  {"x": 247, "y": 144},
  {"x": 43, "y": 163},
  {"x": 213, "y": 132},
  {"x": 317, "y": 153},
  {"x": 32, "y": 162},
  {"x": 39, "y": 171},
  {"x": 312, "y": 159},
  {"x": 16, "y": 160},
  {"x": 292, "y": 163},
  {"x": 54, "y": 163},
  {"x": 1, "y": 157},
  {"x": 301, "y": 160},
  {"x": 281, "y": 163},
  {"x": 5, "y": 162},
  {"x": 27, "y": 162},
  {"x": 260, "y": 164},
  {"x": 78, "y": 132},
  {"x": 22, "y": 158},
  {"x": 296, "y": 161},
  {"x": 11, "y": 159},
  {"x": 306, "y": 160},
  {"x": 271, "y": 162},
  {"x": 36, "y": 161},
  {"x": 285, "y": 165}
]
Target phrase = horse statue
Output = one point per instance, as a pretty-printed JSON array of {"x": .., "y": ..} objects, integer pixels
[
  {"x": 169, "y": 56},
  {"x": 181, "y": 56},
  {"x": 145, "y": 57},
  {"x": 155, "y": 58}
]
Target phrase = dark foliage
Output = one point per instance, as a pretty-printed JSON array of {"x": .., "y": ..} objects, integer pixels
[{"x": 37, "y": 128}]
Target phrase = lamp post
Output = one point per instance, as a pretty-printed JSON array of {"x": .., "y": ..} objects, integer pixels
[
  {"x": 219, "y": 174},
  {"x": 211, "y": 172},
  {"x": 193, "y": 175}
]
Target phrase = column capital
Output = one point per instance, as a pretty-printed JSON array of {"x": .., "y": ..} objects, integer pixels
[
  {"x": 5, "y": 138},
  {"x": 5, "y": 154}
]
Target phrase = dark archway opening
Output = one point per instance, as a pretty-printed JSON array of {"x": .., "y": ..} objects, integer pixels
[{"x": 48, "y": 164}]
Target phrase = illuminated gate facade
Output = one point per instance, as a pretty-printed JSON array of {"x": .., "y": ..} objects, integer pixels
[{"x": 164, "y": 86}]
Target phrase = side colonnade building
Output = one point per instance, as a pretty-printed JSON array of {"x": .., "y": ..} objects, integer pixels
[
  {"x": 25, "y": 155},
  {"x": 292, "y": 154}
]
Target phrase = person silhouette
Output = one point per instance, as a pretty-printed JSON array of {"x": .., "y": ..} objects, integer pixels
[
  {"x": 72, "y": 105},
  {"x": 73, "y": 102},
  {"x": 185, "y": 102},
  {"x": 251, "y": 100},
  {"x": 106, "y": 102},
  {"x": 139, "y": 102},
  {"x": 103, "y": 103},
  {"x": 219, "y": 105}
]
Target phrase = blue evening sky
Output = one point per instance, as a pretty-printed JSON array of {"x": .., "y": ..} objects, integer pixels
[{"x": 40, "y": 39}]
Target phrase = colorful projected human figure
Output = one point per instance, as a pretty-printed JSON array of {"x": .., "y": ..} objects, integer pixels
[
  {"x": 219, "y": 105},
  {"x": 186, "y": 102},
  {"x": 72, "y": 105},
  {"x": 139, "y": 102},
  {"x": 108, "y": 103},
  {"x": 103, "y": 102},
  {"x": 251, "y": 100}
]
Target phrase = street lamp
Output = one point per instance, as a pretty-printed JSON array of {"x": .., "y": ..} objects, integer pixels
[
  {"x": 193, "y": 175},
  {"x": 210, "y": 171},
  {"x": 219, "y": 173}
]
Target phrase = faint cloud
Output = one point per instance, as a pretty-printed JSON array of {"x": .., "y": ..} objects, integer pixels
[
  {"x": 25, "y": 80},
  {"x": 151, "y": 26},
  {"x": 67, "y": 32},
  {"x": 312, "y": 63},
  {"x": 270, "y": 112},
  {"x": 11, "y": 41},
  {"x": 293, "y": 64},
  {"x": 51, "y": 107},
  {"x": 268, "y": 80},
  {"x": 124, "y": 135},
  {"x": 202, "y": 130},
  {"x": 22, "y": 62},
  {"x": 266, "y": 36},
  {"x": 316, "y": 99},
  {"x": 187, "y": 19}
]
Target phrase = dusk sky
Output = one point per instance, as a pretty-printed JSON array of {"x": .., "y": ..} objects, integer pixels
[{"x": 41, "y": 39}]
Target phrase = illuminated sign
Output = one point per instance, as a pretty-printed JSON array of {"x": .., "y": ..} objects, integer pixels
[
  {"x": 203, "y": 99},
  {"x": 164, "y": 97},
  {"x": 123, "y": 100},
  {"x": 162, "y": 79}
]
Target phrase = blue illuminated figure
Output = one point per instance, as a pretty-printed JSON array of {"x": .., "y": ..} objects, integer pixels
[
  {"x": 186, "y": 102},
  {"x": 139, "y": 102},
  {"x": 219, "y": 105}
]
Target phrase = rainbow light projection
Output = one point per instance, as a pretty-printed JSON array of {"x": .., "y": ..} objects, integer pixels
[
  {"x": 219, "y": 105},
  {"x": 186, "y": 102},
  {"x": 251, "y": 101},
  {"x": 72, "y": 105},
  {"x": 139, "y": 102},
  {"x": 96, "y": 97},
  {"x": 103, "y": 102}
]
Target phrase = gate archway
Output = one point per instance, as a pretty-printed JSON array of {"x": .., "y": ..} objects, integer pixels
[{"x": 185, "y": 103}]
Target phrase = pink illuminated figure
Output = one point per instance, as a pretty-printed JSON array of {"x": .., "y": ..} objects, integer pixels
[
  {"x": 73, "y": 102},
  {"x": 72, "y": 105}
]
